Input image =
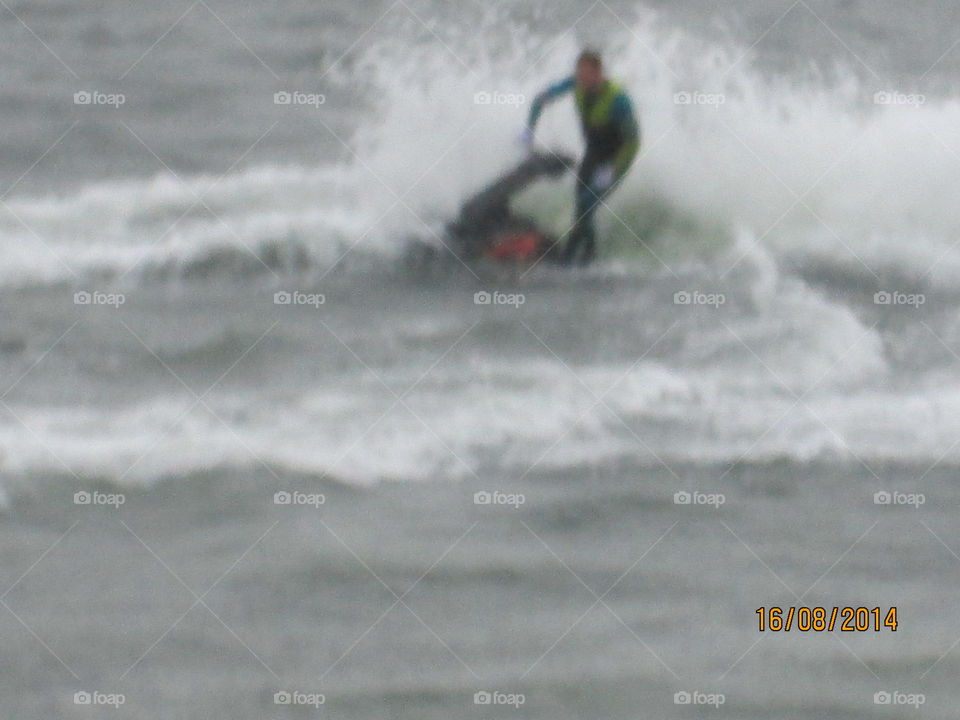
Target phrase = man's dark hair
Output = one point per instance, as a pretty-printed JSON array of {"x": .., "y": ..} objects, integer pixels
[{"x": 591, "y": 57}]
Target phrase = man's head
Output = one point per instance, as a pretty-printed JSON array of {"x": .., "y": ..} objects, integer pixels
[{"x": 589, "y": 71}]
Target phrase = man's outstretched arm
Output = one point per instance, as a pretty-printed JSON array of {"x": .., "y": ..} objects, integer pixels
[{"x": 545, "y": 98}]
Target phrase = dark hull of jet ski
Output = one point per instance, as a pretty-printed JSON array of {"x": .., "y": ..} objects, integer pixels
[{"x": 487, "y": 229}]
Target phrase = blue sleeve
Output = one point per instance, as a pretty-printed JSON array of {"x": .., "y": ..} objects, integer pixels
[
  {"x": 548, "y": 96},
  {"x": 630, "y": 132},
  {"x": 624, "y": 117}
]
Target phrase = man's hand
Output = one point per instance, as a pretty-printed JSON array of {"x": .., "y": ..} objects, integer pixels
[
  {"x": 603, "y": 178},
  {"x": 525, "y": 139}
]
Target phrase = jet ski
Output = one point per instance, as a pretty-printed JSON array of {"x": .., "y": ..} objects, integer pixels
[{"x": 486, "y": 228}]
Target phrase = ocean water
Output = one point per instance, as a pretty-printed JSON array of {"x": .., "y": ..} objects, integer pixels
[{"x": 257, "y": 463}]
